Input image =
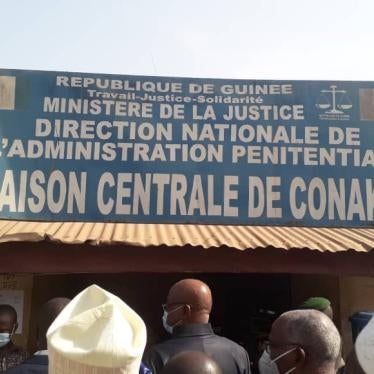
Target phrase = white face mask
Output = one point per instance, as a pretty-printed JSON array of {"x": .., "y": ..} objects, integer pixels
[
  {"x": 5, "y": 337},
  {"x": 268, "y": 366},
  {"x": 167, "y": 327}
]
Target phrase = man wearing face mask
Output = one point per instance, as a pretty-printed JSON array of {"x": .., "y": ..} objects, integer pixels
[
  {"x": 38, "y": 363},
  {"x": 10, "y": 354},
  {"x": 186, "y": 318},
  {"x": 302, "y": 342}
]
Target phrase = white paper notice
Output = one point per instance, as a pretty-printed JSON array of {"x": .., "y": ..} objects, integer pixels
[
  {"x": 15, "y": 299},
  {"x": 7, "y": 92}
]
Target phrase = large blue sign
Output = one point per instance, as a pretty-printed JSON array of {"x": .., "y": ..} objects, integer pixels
[{"x": 88, "y": 147}]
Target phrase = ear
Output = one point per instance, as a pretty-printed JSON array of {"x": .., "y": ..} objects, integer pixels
[
  {"x": 301, "y": 357},
  {"x": 187, "y": 309},
  {"x": 15, "y": 327}
]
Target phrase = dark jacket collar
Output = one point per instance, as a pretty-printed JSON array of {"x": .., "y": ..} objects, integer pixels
[{"x": 193, "y": 329}]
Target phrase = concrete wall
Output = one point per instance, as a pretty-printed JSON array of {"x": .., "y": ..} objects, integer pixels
[
  {"x": 304, "y": 286},
  {"x": 347, "y": 294},
  {"x": 356, "y": 295}
]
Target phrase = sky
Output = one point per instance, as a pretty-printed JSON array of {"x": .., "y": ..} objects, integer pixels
[{"x": 248, "y": 39}]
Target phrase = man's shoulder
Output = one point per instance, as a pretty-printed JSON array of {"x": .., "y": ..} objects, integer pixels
[
  {"x": 177, "y": 341},
  {"x": 228, "y": 342},
  {"x": 170, "y": 342},
  {"x": 158, "y": 347},
  {"x": 222, "y": 349}
]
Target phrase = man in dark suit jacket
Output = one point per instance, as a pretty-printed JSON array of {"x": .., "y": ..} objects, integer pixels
[
  {"x": 11, "y": 355},
  {"x": 38, "y": 363},
  {"x": 186, "y": 318}
]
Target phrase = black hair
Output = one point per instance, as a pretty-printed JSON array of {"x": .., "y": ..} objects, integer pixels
[{"x": 9, "y": 310}]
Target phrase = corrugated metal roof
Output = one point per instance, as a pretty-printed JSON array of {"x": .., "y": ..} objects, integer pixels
[{"x": 240, "y": 237}]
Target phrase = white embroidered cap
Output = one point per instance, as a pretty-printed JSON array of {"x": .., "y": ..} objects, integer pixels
[
  {"x": 96, "y": 333},
  {"x": 364, "y": 347}
]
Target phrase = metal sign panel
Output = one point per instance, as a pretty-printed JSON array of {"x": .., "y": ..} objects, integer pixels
[{"x": 95, "y": 147}]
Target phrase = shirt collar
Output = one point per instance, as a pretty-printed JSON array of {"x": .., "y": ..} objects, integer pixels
[
  {"x": 44, "y": 352},
  {"x": 192, "y": 329}
]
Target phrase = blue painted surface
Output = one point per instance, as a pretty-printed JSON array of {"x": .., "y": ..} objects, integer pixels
[{"x": 116, "y": 159}]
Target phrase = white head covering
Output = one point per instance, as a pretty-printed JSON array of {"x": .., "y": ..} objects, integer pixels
[
  {"x": 365, "y": 347},
  {"x": 96, "y": 333}
]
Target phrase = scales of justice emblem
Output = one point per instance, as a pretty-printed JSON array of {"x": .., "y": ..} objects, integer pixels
[{"x": 334, "y": 101}]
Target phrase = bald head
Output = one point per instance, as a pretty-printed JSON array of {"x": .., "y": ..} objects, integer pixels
[
  {"x": 196, "y": 295},
  {"x": 313, "y": 334},
  {"x": 193, "y": 292},
  {"x": 191, "y": 362},
  {"x": 48, "y": 313}
]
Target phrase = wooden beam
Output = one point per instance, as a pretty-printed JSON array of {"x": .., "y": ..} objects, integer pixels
[{"x": 50, "y": 257}]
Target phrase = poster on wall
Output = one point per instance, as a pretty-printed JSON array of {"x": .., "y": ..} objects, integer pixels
[
  {"x": 118, "y": 148},
  {"x": 15, "y": 298}
]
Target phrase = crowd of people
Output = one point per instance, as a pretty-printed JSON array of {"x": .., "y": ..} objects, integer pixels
[{"x": 99, "y": 333}]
